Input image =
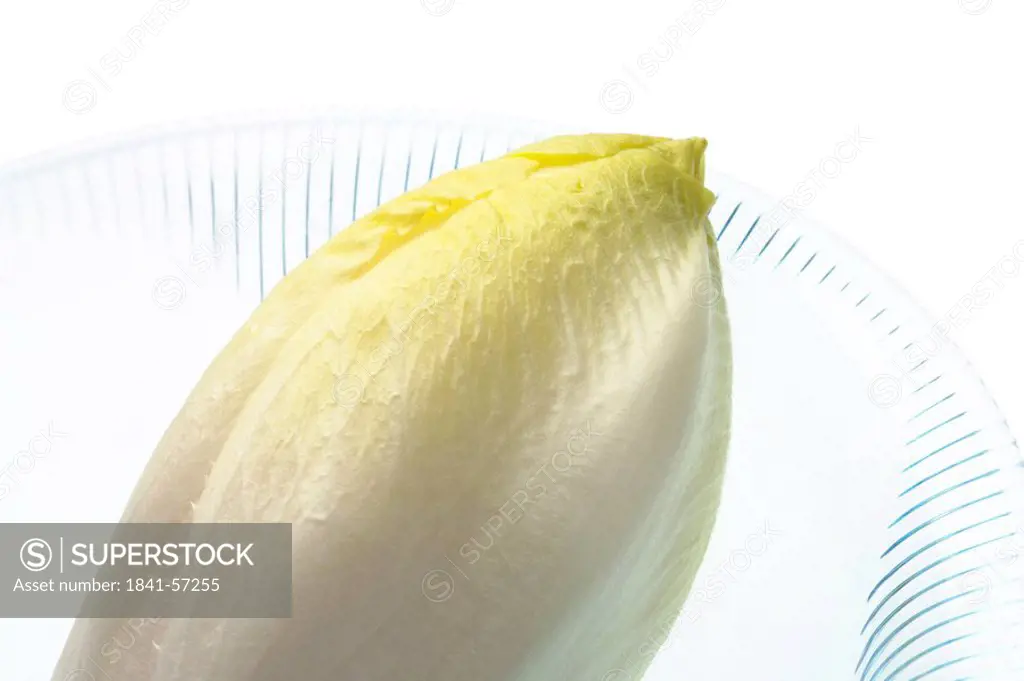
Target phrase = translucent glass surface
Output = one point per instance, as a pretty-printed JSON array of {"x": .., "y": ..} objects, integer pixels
[{"x": 873, "y": 517}]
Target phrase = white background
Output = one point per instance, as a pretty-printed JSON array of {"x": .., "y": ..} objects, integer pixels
[{"x": 933, "y": 85}]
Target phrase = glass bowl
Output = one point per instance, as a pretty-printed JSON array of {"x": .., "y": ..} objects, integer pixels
[{"x": 873, "y": 512}]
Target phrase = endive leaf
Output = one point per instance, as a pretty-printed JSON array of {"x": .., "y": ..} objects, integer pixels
[{"x": 402, "y": 399}]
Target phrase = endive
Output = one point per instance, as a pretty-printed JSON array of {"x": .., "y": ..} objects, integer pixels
[{"x": 496, "y": 412}]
